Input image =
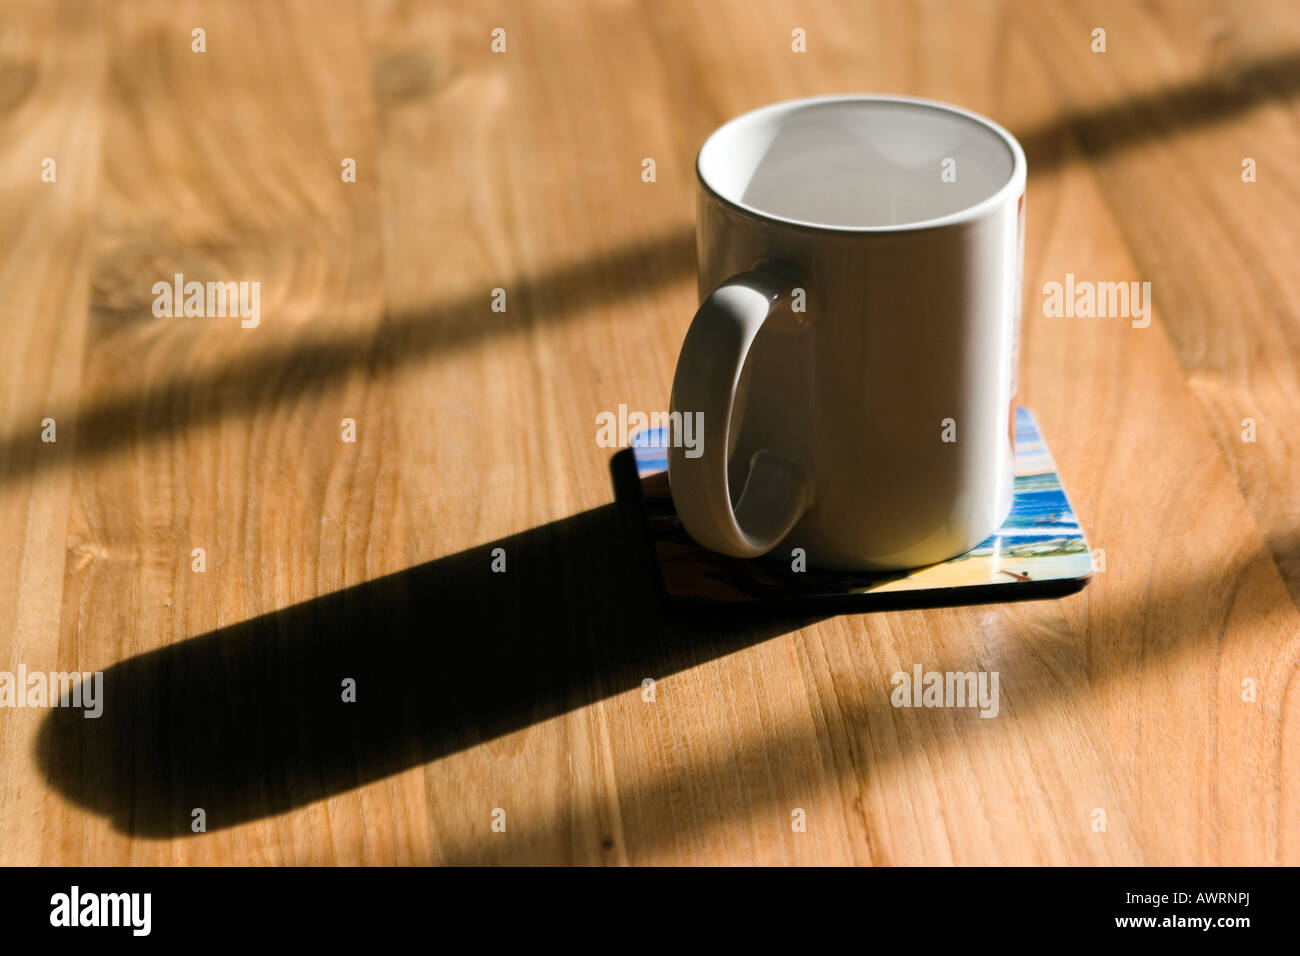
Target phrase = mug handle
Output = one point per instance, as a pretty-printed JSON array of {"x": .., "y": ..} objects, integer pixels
[{"x": 778, "y": 492}]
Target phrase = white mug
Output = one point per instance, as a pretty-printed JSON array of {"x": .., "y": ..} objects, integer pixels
[{"x": 853, "y": 360}]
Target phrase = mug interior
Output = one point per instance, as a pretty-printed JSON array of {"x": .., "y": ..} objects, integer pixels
[{"x": 861, "y": 163}]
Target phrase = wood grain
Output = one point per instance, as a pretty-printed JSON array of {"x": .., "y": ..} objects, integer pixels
[{"x": 329, "y": 560}]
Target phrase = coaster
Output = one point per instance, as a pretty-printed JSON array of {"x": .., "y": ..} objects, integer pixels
[{"x": 1040, "y": 550}]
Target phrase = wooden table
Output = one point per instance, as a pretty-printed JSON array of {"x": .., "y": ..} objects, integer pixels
[{"x": 1164, "y": 696}]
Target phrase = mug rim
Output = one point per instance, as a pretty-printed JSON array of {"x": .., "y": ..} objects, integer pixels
[{"x": 1013, "y": 187}]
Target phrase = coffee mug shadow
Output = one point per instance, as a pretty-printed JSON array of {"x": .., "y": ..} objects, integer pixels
[{"x": 250, "y": 721}]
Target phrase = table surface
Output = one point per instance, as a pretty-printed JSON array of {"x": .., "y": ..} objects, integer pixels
[{"x": 1152, "y": 718}]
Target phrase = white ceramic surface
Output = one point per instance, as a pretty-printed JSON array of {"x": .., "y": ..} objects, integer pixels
[{"x": 823, "y": 428}]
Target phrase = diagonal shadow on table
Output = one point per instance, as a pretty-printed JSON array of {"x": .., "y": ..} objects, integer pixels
[
  {"x": 1164, "y": 112},
  {"x": 297, "y": 365},
  {"x": 249, "y": 721}
]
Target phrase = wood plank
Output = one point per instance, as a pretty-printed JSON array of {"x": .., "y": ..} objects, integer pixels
[{"x": 49, "y": 109}]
